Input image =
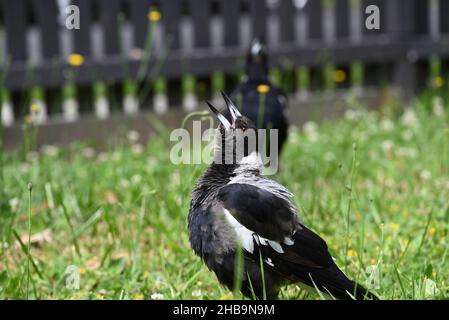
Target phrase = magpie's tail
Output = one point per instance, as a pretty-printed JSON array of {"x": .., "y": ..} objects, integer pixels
[
  {"x": 360, "y": 293},
  {"x": 339, "y": 286}
]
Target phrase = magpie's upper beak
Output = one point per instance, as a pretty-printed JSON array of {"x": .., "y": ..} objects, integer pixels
[{"x": 233, "y": 111}]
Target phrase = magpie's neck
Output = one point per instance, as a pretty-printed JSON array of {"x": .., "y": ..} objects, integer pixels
[
  {"x": 257, "y": 71},
  {"x": 215, "y": 177}
]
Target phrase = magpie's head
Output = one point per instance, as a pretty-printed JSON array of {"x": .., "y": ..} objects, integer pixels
[
  {"x": 257, "y": 59},
  {"x": 237, "y": 134}
]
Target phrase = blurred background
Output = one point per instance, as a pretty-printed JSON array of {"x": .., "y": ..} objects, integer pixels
[{"x": 130, "y": 58}]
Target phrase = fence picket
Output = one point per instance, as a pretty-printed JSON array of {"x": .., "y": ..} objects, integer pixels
[
  {"x": 15, "y": 24},
  {"x": 109, "y": 10},
  {"x": 231, "y": 17},
  {"x": 47, "y": 19},
  {"x": 314, "y": 10},
  {"x": 82, "y": 35}
]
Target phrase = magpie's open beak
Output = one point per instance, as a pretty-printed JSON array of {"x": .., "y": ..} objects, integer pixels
[
  {"x": 233, "y": 111},
  {"x": 219, "y": 116}
]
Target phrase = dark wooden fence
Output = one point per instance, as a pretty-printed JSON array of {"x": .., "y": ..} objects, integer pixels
[{"x": 202, "y": 36}]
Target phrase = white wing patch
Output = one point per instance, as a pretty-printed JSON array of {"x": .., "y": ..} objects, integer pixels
[
  {"x": 269, "y": 262},
  {"x": 244, "y": 234},
  {"x": 247, "y": 236}
]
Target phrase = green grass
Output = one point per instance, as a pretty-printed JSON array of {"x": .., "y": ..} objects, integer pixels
[{"x": 374, "y": 185}]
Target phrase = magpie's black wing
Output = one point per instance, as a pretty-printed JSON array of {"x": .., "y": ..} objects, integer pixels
[{"x": 287, "y": 246}]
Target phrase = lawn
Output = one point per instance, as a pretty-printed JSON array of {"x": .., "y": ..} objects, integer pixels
[{"x": 375, "y": 185}]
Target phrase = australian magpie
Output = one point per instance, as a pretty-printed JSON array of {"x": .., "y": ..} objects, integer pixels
[
  {"x": 260, "y": 100},
  {"x": 236, "y": 212}
]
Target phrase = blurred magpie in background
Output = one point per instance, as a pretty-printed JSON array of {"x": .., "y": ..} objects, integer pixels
[
  {"x": 261, "y": 101},
  {"x": 234, "y": 207}
]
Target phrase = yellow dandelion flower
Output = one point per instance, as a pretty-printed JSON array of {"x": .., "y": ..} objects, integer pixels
[
  {"x": 432, "y": 231},
  {"x": 434, "y": 274},
  {"x": 35, "y": 108},
  {"x": 405, "y": 242},
  {"x": 227, "y": 296},
  {"x": 138, "y": 296},
  {"x": 82, "y": 270},
  {"x": 145, "y": 275},
  {"x": 352, "y": 253},
  {"x": 154, "y": 15},
  {"x": 373, "y": 261},
  {"x": 263, "y": 88},
  {"x": 75, "y": 59},
  {"x": 99, "y": 296},
  {"x": 395, "y": 226},
  {"x": 339, "y": 76},
  {"x": 438, "y": 82}
]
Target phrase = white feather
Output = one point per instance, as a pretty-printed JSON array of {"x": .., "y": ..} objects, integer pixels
[
  {"x": 244, "y": 234},
  {"x": 269, "y": 262},
  {"x": 276, "y": 246}
]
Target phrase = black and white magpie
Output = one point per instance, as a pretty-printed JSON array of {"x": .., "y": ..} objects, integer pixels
[
  {"x": 235, "y": 208},
  {"x": 259, "y": 99}
]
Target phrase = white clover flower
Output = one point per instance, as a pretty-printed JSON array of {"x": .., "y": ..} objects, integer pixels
[
  {"x": 124, "y": 183},
  {"x": 24, "y": 167},
  {"x": 353, "y": 115},
  {"x": 196, "y": 293},
  {"x": 50, "y": 150},
  {"x": 429, "y": 288},
  {"x": 409, "y": 118},
  {"x": 157, "y": 296},
  {"x": 136, "y": 179},
  {"x": 137, "y": 148},
  {"x": 293, "y": 136},
  {"x": 310, "y": 129},
  {"x": 387, "y": 145},
  {"x": 359, "y": 135},
  {"x": 151, "y": 161},
  {"x": 438, "y": 106},
  {"x": 132, "y": 136},
  {"x": 88, "y": 153},
  {"x": 102, "y": 157},
  {"x": 310, "y": 126},
  {"x": 175, "y": 178},
  {"x": 32, "y": 156},
  {"x": 14, "y": 204},
  {"x": 386, "y": 125},
  {"x": 372, "y": 273},
  {"x": 425, "y": 175},
  {"x": 116, "y": 156}
]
